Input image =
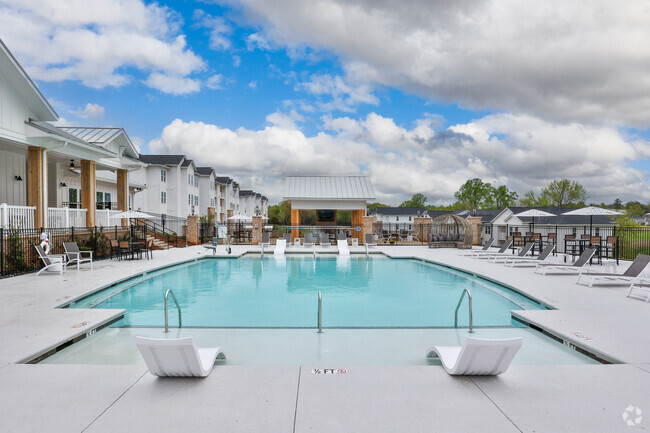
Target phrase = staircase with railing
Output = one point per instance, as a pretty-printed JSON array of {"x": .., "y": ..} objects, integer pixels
[{"x": 162, "y": 238}]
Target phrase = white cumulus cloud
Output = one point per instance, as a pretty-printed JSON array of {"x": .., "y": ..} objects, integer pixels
[{"x": 91, "y": 111}]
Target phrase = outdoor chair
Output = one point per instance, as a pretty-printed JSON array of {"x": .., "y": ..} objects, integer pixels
[
  {"x": 287, "y": 237},
  {"x": 177, "y": 357},
  {"x": 115, "y": 249},
  {"x": 486, "y": 247},
  {"x": 370, "y": 240},
  {"x": 530, "y": 260},
  {"x": 635, "y": 269},
  {"x": 309, "y": 240},
  {"x": 266, "y": 240},
  {"x": 643, "y": 285},
  {"x": 340, "y": 236},
  {"x": 324, "y": 240},
  {"x": 522, "y": 253},
  {"x": 488, "y": 254},
  {"x": 280, "y": 247},
  {"x": 75, "y": 255},
  {"x": 50, "y": 260},
  {"x": 342, "y": 245},
  {"x": 125, "y": 249},
  {"x": 148, "y": 249},
  {"x": 584, "y": 258},
  {"x": 477, "y": 356}
]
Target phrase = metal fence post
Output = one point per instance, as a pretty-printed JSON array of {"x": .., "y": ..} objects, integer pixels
[
  {"x": 2, "y": 251},
  {"x": 72, "y": 235},
  {"x": 95, "y": 242}
]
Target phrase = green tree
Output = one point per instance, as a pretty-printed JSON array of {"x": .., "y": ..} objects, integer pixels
[
  {"x": 565, "y": 192},
  {"x": 618, "y": 204},
  {"x": 373, "y": 206},
  {"x": 531, "y": 199},
  {"x": 503, "y": 197},
  {"x": 418, "y": 200},
  {"x": 634, "y": 209},
  {"x": 280, "y": 214},
  {"x": 474, "y": 192}
]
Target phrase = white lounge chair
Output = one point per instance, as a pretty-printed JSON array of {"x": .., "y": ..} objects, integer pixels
[
  {"x": 642, "y": 284},
  {"x": 486, "y": 247},
  {"x": 76, "y": 255},
  {"x": 635, "y": 269},
  {"x": 50, "y": 260},
  {"x": 488, "y": 254},
  {"x": 343, "y": 248},
  {"x": 177, "y": 357},
  {"x": 477, "y": 356},
  {"x": 280, "y": 246},
  {"x": 522, "y": 253},
  {"x": 571, "y": 267},
  {"x": 309, "y": 240},
  {"x": 530, "y": 260}
]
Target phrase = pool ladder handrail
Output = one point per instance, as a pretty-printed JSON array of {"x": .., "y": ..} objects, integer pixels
[
  {"x": 469, "y": 296},
  {"x": 180, "y": 321},
  {"x": 320, "y": 312}
]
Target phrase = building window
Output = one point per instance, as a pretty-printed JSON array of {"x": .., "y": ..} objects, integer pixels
[
  {"x": 397, "y": 218},
  {"x": 189, "y": 179},
  {"x": 409, "y": 219},
  {"x": 189, "y": 199},
  {"x": 196, "y": 200},
  {"x": 196, "y": 181},
  {"x": 488, "y": 230},
  {"x": 163, "y": 175},
  {"x": 163, "y": 197}
]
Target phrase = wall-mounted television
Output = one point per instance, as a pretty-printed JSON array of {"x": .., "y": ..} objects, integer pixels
[{"x": 326, "y": 215}]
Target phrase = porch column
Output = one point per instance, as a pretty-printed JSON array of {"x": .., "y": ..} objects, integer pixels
[
  {"x": 35, "y": 184},
  {"x": 367, "y": 228},
  {"x": 357, "y": 221},
  {"x": 295, "y": 221},
  {"x": 88, "y": 191},
  {"x": 123, "y": 193}
]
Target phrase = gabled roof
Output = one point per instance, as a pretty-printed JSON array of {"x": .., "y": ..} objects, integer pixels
[
  {"x": 399, "y": 211},
  {"x": 169, "y": 160},
  {"x": 187, "y": 163},
  {"x": 224, "y": 179},
  {"x": 204, "y": 171},
  {"x": 328, "y": 188},
  {"x": 18, "y": 79},
  {"x": 102, "y": 137}
]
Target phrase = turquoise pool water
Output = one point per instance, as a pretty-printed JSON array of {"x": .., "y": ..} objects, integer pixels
[{"x": 255, "y": 292}]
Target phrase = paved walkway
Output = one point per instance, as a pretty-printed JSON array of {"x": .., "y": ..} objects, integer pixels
[{"x": 96, "y": 398}]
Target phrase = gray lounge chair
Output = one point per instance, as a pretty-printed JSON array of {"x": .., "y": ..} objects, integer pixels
[
  {"x": 522, "y": 253},
  {"x": 309, "y": 240},
  {"x": 584, "y": 258},
  {"x": 470, "y": 252},
  {"x": 324, "y": 240},
  {"x": 50, "y": 260},
  {"x": 75, "y": 255},
  {"x": 530, "y": 260},
  {"x": 635, "y": 269},
  {"x": 266, "y": 240},
  {"x": 488, "y": 254},
  {"x": 370, "y": 240}
]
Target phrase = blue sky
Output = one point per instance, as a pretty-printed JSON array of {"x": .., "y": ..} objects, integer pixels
[{"x": 414, "y": 97}]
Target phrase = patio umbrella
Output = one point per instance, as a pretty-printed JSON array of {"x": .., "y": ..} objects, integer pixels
[
  {"x": 131, "y": 214},
  {"x": 241, "y": 217},
  {"x": 534, "y": 213},
  {"x": 591, "y": 211}
]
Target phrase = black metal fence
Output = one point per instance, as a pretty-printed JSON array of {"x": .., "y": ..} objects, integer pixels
[
  {"x": 170, "y": 224},
  {"x": 18, "y": 254}
]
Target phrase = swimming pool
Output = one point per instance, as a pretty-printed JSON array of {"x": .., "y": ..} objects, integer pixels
[
  {"x": 262, "y": 311},
  {"x": 358, "y": 292}
]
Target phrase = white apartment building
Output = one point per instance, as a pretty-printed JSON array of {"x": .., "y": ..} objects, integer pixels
[{"x": 210, "y": 192}]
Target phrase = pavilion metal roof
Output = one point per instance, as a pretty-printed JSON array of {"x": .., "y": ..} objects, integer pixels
[
  {"x": 328, "y": 188},
  {"x": 92, "y": 135}
]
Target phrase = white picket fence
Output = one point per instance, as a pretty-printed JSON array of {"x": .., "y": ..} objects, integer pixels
[
  {"x": 16, "y": 216},
  {"x": 61, "y": 217}
]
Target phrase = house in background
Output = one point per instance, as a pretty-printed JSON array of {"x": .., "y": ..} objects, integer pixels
[{"x": 38, "y": 159}]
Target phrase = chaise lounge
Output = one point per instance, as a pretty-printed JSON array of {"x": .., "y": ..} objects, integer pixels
[
  {"x": 178, "y": 357},
  {"x": 477, "y": 356},
  {"x": 635, "y": 269}
]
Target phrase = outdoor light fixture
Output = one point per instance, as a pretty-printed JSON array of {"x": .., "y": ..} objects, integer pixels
[
  {"x": 18, "y": 178},
  {"x": 63, "y": 185},
  {"x": 71, "y": 168},
  {"x": 257, "y": 211}
]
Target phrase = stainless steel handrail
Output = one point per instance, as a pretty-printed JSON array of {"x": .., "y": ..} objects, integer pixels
[
  {"x": 262, "y": 251},
  {"x": 320, "y": 312},
  {"x": 180, "y": 321},
  {"x": 469, "y": 296}
]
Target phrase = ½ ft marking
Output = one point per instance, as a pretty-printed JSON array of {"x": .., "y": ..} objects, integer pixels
[{"x": 329, "y": 371}]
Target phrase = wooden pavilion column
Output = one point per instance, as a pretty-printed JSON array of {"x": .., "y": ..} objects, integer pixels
[
  {"x": 35, "y": 180},
  {"x": 295, "y": 221},
  {"x": 357, "y": 221},
  {"x": 88, "y": 191}
]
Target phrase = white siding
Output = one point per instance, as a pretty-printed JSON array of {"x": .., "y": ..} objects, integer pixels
[
  {"x": 13, "y": 110},
  {"x": 13, "y": 192}
]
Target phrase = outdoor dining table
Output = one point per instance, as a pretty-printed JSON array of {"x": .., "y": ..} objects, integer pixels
[
  {"x": 524, "y": 239},
  {"x": 136, "y": 248},
  {"x": 581, "y": 244}
]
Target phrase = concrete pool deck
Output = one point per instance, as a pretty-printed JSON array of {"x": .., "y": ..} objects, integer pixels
[{"x": 527, "y": 398}]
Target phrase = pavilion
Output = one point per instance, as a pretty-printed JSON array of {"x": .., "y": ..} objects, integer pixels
[{"x": 326, "y": 195}]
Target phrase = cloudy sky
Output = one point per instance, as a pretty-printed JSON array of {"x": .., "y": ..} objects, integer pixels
[{"x": 420, "y": 95}]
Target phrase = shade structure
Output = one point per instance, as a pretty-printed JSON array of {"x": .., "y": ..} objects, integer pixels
[
  {"x": 534, "y": 213},
  {"x": 591, "y": 211},
  {"x": 131, "y": 214},
  {"x": 241, "y": 217}
]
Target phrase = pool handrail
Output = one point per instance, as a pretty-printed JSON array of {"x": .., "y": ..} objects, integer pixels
[
  {"x": 469, "y": 296},
  {"x": 180, "y": 321}
]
